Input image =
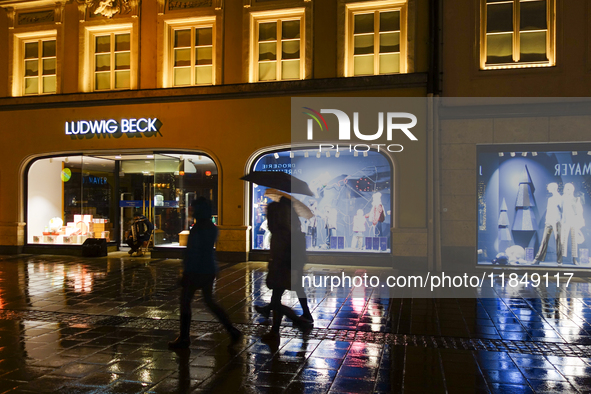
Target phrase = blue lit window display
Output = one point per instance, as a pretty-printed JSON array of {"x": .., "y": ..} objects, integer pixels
[
  {"x": 533, "y": 206},
  {"x": 351, "y": 202}
]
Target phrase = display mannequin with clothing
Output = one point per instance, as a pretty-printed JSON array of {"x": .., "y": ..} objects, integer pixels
[
  {"x": 553, "y": 224},
  {"x": 572, "y": 221}
]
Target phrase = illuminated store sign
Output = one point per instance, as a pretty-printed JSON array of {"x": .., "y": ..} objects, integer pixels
[{"x": 111, "y": 126}]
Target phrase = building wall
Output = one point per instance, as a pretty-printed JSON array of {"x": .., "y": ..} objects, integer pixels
[
  {"x": 459, "y": 138},
  {"x": 230, "y": 120},
  {"x": 571, "y": 77}
]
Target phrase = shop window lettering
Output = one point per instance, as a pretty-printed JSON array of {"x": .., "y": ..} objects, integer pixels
[
  {"x": 95, "y": 180},
  {"x": 572, "y": 169},
  {"x": 278, "y": 166}
]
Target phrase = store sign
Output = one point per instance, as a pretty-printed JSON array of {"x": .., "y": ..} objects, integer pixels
[{"x": 111, "y": 126}]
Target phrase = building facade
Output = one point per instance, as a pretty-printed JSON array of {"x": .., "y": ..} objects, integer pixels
[
  {"x": 514, "y": 120},
  {"x": 113, "y": 107}
]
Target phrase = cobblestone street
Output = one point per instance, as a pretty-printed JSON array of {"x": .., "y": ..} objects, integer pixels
[{"x": 73, "y": 325}]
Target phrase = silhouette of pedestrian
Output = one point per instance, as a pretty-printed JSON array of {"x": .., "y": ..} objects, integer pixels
[
  {"x": 199, "y": 271},
  {"x": 280, "y": 215}
]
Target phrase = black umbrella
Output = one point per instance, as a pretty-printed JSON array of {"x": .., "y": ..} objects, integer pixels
[{"x": 279, "y": 180}]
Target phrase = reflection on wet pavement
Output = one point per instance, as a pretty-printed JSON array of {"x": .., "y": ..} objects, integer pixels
[{"x": 102, "y": 326}]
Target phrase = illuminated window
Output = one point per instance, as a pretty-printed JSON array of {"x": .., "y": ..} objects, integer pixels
[
  {"x": 112, "y": 61},
  {"x": 517, "y": 33},
  {"x": 277, "y": 46},
  {"x": 34, "y": 63},
  {"x": 39, "y": 66},
  {"x": 193, "y": 56},
  {"x": 376, "y": 39},
  {"x": 190, "y": 52}
]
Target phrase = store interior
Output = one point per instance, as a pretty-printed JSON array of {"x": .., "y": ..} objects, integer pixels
[{"x": 76, "y": 197}]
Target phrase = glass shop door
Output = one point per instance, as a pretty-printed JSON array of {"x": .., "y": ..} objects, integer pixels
[{"x": 136, "y": 193}]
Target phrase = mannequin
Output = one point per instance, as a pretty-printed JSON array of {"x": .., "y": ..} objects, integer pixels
[
  {"x": 266, "y": 235},
  {"x": 331, "y": 223},
  {"x": 312, "y": 222},
  {"x": 572, "y": 220},
  {"x": 359, "y": 227},
  {"x": 553, "y": 223},
  {"x": 376, "y": 215}
]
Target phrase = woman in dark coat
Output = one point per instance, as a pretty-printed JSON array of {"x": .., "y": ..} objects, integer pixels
[
  {"x": 280, "y": 216},
  {"x": 199, "y": 271}
]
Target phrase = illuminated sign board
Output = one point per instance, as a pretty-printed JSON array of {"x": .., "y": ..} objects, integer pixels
[{"x": 111, "y": 126}]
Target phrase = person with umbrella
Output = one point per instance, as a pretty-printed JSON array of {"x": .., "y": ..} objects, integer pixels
[
  {"x": 283, "y": 222},
  {"x": 298, "y": 254},
  {"x": 285, "y": 250}
]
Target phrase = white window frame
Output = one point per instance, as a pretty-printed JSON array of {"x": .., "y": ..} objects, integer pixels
[
  {"x": 353, "y": 9},
  {"x": 20, "y": 39},
  {"x": 277, "y": 16},
  {"x": 91, "y": 32},
  {"x": 182, "y": 24},
  {"x": 550, "y": 38}
]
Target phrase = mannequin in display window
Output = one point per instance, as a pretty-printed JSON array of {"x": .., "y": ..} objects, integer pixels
[
  {"x": 553, "y": 223},
  {"x": 376, "y": 215},
  {"x": 331, "y": 223},
  {"x": 359, "y": 227},
  {"x": 572, "y": 220},
  {"x": 312, "y": 223},
  {"x": 266, "y": 234}
]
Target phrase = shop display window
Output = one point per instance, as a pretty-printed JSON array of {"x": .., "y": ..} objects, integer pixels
[
  {"x": 351, "y": 202},
  {"x": 72, "y": 198},
  {"x": 533, "y": 206}
]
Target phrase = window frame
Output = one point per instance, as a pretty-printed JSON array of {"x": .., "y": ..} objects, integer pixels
[
  {"x": 515, "y": 44},
  {"x": 91, "y": 32},
  {"x": 276, "y": 16},
  {"x": 20, "y": 39},
  {"x": 376, "y": 7},
  {"x": 183, "y": 24},
  {"x": 112, "y": 70}
]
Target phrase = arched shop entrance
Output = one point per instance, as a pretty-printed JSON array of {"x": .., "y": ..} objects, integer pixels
[{"x": 75, "y": 197}]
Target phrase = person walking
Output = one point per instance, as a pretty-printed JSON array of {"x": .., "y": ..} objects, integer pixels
[
  {"x": 281, "y": 217},
  {"x": 199, "y": 271}
]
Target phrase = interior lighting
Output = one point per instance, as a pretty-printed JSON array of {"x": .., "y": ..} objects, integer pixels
[
  {"x": 66, "y": 159},
  {"x": 355, "y": 154},
  {"x": 318, "y": 154},
  {"x": 276, "y": 155},
  {"x": 306, "y": 154},
  {"x": 524, "y": 154},
  {"x": 150, "y": 156},
  {"x": 512, "y": 154},
  {"x": 327, "y": 154},
  {"x": 501, "y": 154},
  {"x": 291, "y": 155},
  {"x": 118, "y": 157},
  {"x": 365, "y": 154},
  {"x": 534, "y": 153},
  {"x": 337, "y": 154},
  {"x": 575, "y": 153}
]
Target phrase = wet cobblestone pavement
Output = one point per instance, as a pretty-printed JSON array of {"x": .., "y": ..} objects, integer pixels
[{"x": 72, "y": 325}]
